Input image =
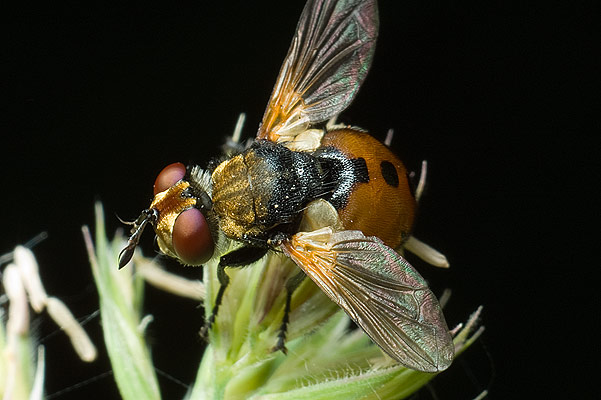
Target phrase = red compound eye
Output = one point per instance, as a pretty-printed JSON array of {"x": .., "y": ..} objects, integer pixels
[
  {"x": 191, "y": 237},
  {"x": 169, "y": 177}
]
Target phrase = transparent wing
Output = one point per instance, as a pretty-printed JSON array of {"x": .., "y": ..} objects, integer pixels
[
  {"x": 328, "y": 60},
  {"x": 380, "y": 291}
]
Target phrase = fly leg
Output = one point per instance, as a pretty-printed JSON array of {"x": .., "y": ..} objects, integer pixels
[
  {"x": 291, "y": 284},
  {"x": 238, "y": 258}
]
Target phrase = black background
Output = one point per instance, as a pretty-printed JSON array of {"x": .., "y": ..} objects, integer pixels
[{"x": 98, "y": 99}]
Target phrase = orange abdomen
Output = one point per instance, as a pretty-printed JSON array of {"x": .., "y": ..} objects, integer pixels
[{"x": 384, "y": 206}]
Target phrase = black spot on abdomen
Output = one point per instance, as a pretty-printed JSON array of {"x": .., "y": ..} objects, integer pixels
[{"x": 389, "y": 173}]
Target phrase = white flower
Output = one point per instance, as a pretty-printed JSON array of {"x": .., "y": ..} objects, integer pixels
[{"x": 21, "y": 364}]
